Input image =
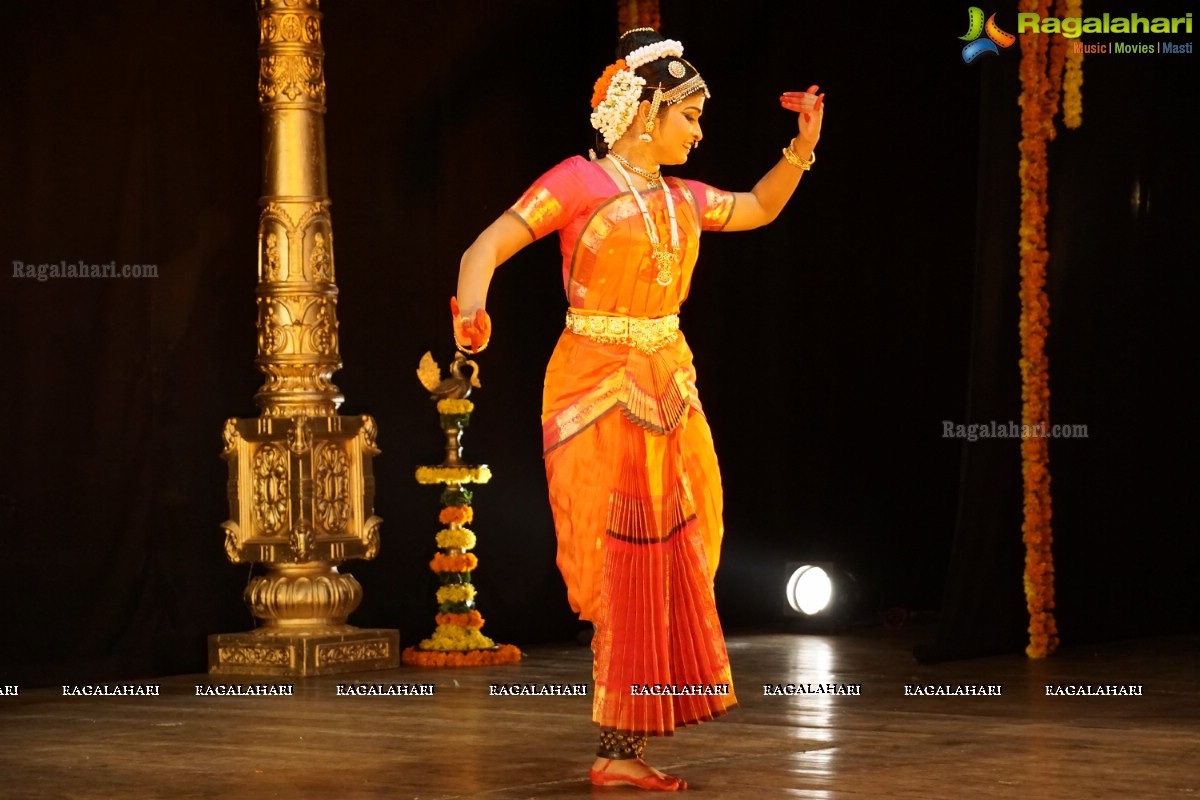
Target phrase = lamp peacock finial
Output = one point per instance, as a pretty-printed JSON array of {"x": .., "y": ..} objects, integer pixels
[{"x": 457, "y": 386}]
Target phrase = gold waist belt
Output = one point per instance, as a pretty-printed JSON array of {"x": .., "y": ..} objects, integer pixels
[{"x": 644, "y": 334}]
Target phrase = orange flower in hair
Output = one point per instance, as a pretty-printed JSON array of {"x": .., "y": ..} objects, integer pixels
[{"x": 600, "y": 90}]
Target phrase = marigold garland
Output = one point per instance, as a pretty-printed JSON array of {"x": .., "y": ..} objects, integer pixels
[
  {"x": 613, "y": 116},
  {"x": 441, "y": 562},
  {"x": 456, "y": 515},
  {"x": 600, "y": 87},
  {"x": 1073, "y": 79},
  {"x": 453, "y": 637},
  {"x": 455, "y": 407},
  {"x": 638, "y": 14},
  {"x": 501, "y": 654},
  {"x": 471, "y": 619},
  {"x": 1043, "y": 60},
  {"x": 456, "y": 539},
  {"x": 456, "y": 593},
  {"x": 429, "y": 475}
]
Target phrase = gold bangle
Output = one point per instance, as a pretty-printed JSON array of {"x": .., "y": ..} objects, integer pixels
[
  {"x": 471, "y": 350},
  {"x": 795, "y": 160}
]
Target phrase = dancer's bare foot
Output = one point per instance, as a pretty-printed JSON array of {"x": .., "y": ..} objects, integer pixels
[{"x": 633, "y": 772}]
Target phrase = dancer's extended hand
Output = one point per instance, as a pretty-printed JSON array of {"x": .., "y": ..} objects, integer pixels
[{"x": 810, "y": 106}]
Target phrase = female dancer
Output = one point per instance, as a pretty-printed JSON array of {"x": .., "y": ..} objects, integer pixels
[{"x": 633, "y": 478}]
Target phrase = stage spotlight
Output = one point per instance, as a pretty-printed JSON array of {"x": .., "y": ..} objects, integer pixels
[
  {"x": 819, "y": 592},
  {"x": 809, "y": 590}
]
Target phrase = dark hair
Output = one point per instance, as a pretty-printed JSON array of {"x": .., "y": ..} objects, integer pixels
[{"x": 655, "y": 72}]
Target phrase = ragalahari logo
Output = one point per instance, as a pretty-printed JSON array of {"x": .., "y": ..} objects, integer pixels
[{"x": 976, "y": 27}]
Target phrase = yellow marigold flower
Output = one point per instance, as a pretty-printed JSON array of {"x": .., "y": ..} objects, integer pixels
[
  {"x": 456, "y": 593},
  {"x": 456, "y": 538},
  {"x": 451, "y": 637},
  {"x": 455, "y": 407},
  {"x": 479, "y": 474}
]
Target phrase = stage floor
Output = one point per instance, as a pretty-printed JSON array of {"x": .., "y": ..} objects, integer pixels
[{"x": 463, "y": 741}]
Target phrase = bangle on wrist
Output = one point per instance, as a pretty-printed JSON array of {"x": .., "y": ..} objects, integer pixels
[{"x": 796, "y": 161}]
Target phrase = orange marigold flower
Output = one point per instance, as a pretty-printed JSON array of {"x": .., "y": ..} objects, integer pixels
[
  {"x": 461, "y": 563},
  {"x": 472, "y": 619},
  {"x": 456, "y": 515},
  {"x": 600, "y": 90},
  {"x": 504, "y": 654}
]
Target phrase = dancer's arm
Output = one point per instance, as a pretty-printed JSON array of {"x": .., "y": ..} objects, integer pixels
[
  {"x": 499, "y": 242},
  {"x": 763, "y": 203}
]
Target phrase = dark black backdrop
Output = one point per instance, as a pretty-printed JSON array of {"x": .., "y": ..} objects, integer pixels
[{"x": 830, "y": 345}]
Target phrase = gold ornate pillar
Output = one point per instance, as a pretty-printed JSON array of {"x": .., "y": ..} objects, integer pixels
[{"x": 301, "y": 490}]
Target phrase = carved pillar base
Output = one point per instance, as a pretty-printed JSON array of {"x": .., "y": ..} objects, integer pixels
[
  {"x": 285, "y": 653},
  {"x": 303, "y": 608}
]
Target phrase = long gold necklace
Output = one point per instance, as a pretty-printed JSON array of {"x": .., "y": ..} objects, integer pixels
[{"x": 665, "y": 258}]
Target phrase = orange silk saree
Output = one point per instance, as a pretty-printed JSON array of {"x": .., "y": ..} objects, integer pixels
[{"x": 634, "y": 483}]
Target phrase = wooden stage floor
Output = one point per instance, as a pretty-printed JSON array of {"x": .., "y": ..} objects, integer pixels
[{"x": 463, "y": 742}]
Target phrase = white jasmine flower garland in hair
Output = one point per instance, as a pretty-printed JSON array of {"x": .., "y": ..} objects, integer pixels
[
  {"x": 652, "y": 52},
  {"x": 615, "y": 112}
]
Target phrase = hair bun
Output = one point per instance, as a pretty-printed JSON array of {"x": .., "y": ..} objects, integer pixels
[{"x": 637, "y": 37}]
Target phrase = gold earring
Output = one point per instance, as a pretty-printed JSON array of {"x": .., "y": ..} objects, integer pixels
[{"x": 646, "y": 137}]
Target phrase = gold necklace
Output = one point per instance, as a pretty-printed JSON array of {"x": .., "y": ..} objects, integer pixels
[
  {"x": 666, "y": 258},
  {"x": 653, "y": 179}
]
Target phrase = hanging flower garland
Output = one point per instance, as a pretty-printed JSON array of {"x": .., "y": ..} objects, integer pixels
[
  {"x": 637, "y": 14},
  {"x": 1043, "y": 61},
  {"x": 1073, "y": 80}
]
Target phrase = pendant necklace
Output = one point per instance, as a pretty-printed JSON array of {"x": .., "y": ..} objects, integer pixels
[{"x": 665, "y": 257}]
